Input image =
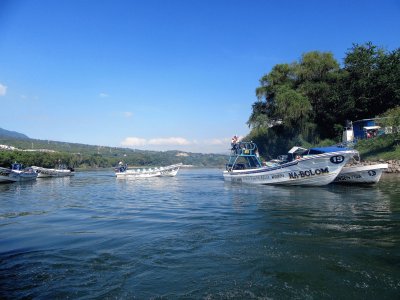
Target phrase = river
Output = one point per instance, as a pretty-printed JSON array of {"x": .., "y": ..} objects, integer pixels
[{"x": 193, "y": 236}]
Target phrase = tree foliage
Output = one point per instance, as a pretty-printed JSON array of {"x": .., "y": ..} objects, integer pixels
[{"x": 310, "y": 100}]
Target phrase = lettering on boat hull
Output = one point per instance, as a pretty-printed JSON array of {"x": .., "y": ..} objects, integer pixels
[
  {"x": 347, "y": 177},
  {"x": 277, "y": 177},
  {"x": 308, "y": 173}
]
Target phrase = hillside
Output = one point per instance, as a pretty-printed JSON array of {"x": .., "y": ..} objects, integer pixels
[
  {"x": 12, "y": 134},
  {"x": 36, "y": 152}
]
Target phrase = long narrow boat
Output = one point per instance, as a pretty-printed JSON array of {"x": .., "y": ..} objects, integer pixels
[
  {"x": 17, "y": 173},
  {"x": 314, "y": 167},
  {"x": 61, "y": 171},
  {"x": 361, "y": 174},
  {"x": 6, "y": 175},
  {"x": 122, "y": 171}
]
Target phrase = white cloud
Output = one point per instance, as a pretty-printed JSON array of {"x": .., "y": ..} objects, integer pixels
[
  {"x": 171, "y": 141},
  {"x": 211, "y": 145},
  {"x": 103, "y": 95},
  {"x": 223, "y": 141},
  {"x": 127, "y": 114},
  {"x": 3, "y": 90},
  {"x": 133, "y": 142}
]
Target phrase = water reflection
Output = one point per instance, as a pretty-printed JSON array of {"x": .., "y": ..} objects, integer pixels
[{"x": 334, "y": 198}]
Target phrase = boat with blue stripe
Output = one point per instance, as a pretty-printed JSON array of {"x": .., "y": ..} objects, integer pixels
[{"x": 314, "y": 166}]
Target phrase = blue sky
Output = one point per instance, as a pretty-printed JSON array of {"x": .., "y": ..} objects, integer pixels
[{"x": 166, "y": 74}]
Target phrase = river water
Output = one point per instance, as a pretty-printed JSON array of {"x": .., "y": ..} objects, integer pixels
[{"x": 193, "y": 236}]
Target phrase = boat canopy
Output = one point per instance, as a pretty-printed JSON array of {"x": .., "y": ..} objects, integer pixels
[
  {"x": 371, "y": 127},
  {"x": 297, "y": 150},
  {"x": 320, "y": 150},
  {"x": 244, "y": 155}
]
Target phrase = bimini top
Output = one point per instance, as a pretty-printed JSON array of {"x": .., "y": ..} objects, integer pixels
[
  {"x": 320, "y": 150},
  {"x": 371, "y": 127}
]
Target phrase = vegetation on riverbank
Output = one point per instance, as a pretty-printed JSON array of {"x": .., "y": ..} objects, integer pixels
[
  {"x": 308, "y": 102},
  {"x": 88, "y": 156},
  {"x": 381, "y": 148}
]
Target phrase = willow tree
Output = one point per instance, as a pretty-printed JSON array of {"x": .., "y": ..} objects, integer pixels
[
  {"x": 264, "y": 111},
  {"x": 318, "y": 74}
]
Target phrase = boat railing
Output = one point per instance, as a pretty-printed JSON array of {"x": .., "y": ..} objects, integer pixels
[{"x": 244, "y": 149}]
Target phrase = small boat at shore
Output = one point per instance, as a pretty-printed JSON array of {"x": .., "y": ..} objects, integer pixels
[
  {"x": 122, "y": 171},
  {"x": 17, "y": 173},
  {"x": 314, "y": 167},
  {"x": 61, "y": 171},
  {"x": 361, "y": 174}
]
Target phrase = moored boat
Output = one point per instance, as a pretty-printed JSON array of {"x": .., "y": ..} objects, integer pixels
[
  {"x": 122, "y": 171},
  {"x": 361, "y": 174},
  {"x": 5, "y": 175},
  {"x": 61, "y": 171},
  {"x": 17, "y": 173},
  {"x": 314, "y": 167}
]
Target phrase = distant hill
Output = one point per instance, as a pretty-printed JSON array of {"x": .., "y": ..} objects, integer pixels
[
  {"x": 104, "y": 156},
  {"x": 12, "y": 134}
]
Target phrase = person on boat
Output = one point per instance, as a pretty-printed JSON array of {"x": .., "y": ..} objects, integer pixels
[
  {"x": 234, "y": 143},
  {"x": 122, "y": 167}
]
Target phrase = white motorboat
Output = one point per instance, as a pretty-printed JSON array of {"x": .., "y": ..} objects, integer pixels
[
  {"x": 5, "y": 175},
  {"x": 17, "y": 173},
  {"x": 315, "y": 166},
  {"x": 361, "y": 174},
  {"x": 61, "y": 171},
  {"x": 122, "y": 171}
]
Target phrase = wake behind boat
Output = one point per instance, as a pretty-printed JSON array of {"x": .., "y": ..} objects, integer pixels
[
  {"x": 122, "y": 171},
  {"x": 315, "y": 167}
]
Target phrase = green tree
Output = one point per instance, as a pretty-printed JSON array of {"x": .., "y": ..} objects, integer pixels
[
  {"x": 293, "y": 99},
  {"x": 318, "y": 73},
  {"x": 309, "y": 100},
  {"x": 370, "y": 84},
  {"x": 292, "y": 108}
]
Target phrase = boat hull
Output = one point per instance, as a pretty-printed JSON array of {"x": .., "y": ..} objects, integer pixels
[
  {"x": 312, "y": 170},
  {"x": 169, "y": 171},
  {"x": 46, "y": 173},
  {"x": 6, "y": 175},
  {"x": 26, "y": 176},
  {"x": 361, "y": 174}
]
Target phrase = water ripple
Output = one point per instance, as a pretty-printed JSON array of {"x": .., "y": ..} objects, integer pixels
[{"x": 195, "y": 236}]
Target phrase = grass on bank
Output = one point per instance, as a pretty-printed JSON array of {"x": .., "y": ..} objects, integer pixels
[{"x": 385, "y": 147}]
